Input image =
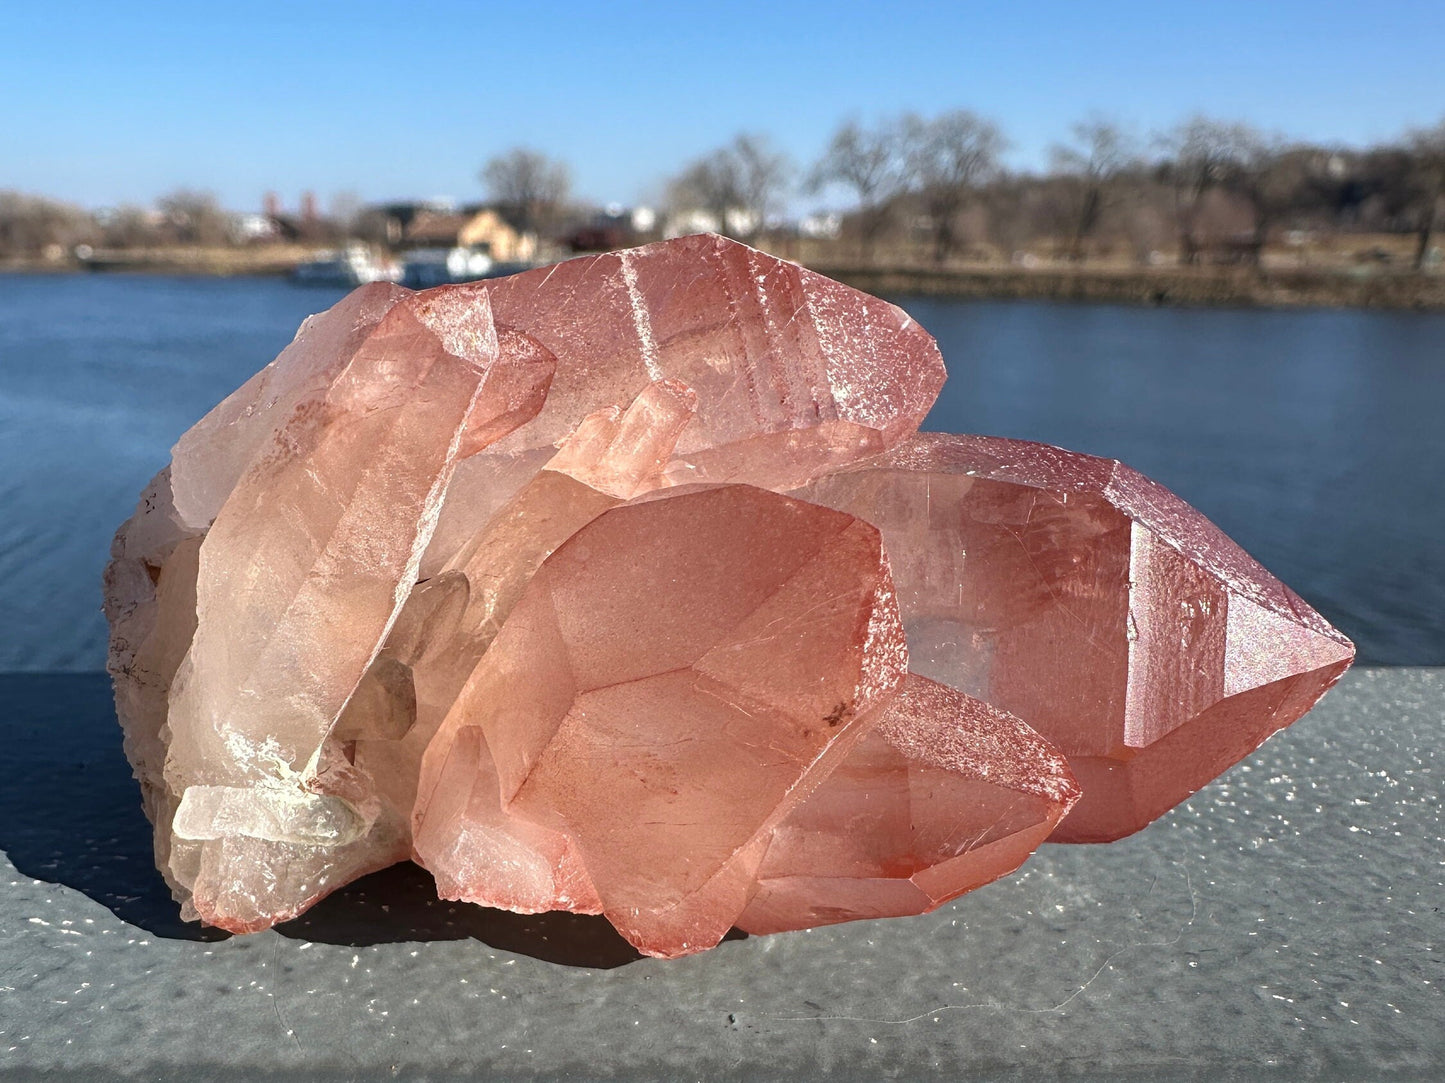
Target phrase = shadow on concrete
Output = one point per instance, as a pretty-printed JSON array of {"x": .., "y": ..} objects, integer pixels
[
  {"x": 69, "y": 810},
  {"x": 70, "y": 814},
  {"x": 400, "y": 904}
]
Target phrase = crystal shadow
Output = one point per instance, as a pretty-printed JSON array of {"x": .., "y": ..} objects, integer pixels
[
  {"x": 70, "y": 815},
  {"x": 400, "y": 904}
]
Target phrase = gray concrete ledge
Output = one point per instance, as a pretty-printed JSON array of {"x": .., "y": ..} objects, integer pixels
[{"x": 1285, "y": 923}]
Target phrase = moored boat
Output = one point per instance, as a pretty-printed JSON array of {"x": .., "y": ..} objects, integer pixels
[
  {"x": 423, "y": 268},
  {"x": 353, "y": 265}
]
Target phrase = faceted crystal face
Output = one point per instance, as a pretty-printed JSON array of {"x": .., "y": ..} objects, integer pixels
[
  {"x": 449, "y": 622},
  {"x": 943, "y": 795},
  {"x": 662, "y": 703},
  {"x": 1096, "y": 606},
  {"x": 768, "y": 346}
]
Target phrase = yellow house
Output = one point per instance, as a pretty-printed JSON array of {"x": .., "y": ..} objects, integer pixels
[{"x": 483, "y": 228}]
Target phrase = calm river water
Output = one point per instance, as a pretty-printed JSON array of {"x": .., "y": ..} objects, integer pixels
[{"x": 1315, "y": 438}]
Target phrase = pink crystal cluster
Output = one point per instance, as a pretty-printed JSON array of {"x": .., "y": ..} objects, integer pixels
[{"x": 627, "y": 586}]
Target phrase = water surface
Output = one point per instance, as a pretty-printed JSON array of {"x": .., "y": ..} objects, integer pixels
[{"x": 1313, "y": 437}]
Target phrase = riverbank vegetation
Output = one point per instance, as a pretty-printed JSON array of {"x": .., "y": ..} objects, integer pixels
[{"x": 1210, "y": 210}]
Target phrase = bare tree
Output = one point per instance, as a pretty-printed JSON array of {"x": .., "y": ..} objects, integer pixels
[
  {"x": 129, "y": 226},
  {"x": 196, "y": 217},
  {"x": 31, "y": 224},
  {"x": 738, "y": 185},
  {"x": 710, "y": 184},
  {"x": 949, "y": 157},
  {"x": 1204, "y": 154},
  {"x": 1427, "y": 147},
  {"x": 765, "y": 176},
  {"x": 873, "y": 163},
  {"x": 1275, "y": 179},
  {"x": 1100, "y": 152},
  {"x": 531, "y": 185}
]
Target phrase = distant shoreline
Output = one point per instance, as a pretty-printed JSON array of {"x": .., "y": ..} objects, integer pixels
[
  {"x": 1223, "y": 287},
  {"x": 203, "y": 262}
]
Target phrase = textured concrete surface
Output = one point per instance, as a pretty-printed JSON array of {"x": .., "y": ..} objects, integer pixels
[{"x": 1285, "y": 923}]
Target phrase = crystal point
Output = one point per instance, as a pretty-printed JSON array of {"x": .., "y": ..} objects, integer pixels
[{"x": 1096, "y": 606}]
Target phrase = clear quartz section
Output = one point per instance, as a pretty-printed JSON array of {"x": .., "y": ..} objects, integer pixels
[{"x": 259, "y": 578}]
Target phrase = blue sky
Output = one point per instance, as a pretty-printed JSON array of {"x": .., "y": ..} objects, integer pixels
[{"x": 120, "y": 102}]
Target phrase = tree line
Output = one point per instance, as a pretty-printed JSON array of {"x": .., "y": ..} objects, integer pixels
[
  {"x": 932, "y": 188},
  {"x": 1205, "y": 189}
]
